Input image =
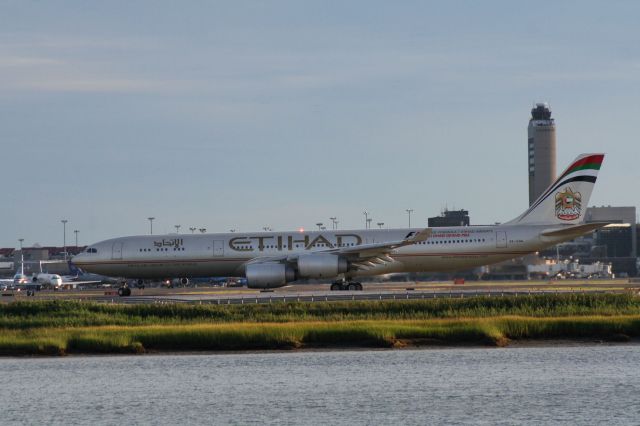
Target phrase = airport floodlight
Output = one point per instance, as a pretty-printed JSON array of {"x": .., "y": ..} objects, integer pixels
[
  {"x": 267, "y": 228},
  {"x": 177, "y": 228},
  {"x": 369, "y": 223},
  {"x": 151, "y": 225},
  {"x": 21, "y": 241},
  {"x": 319, "y": 225},
  {"x": 380, "y": 224},
  {"x": 232, "y": 230},
  {"x": 333, "y": 222},
  {"x": 192, "y": 229},
  {"x": 75, "y": 231},
  {"x": 203, "y": 230},
  {"x": 64, "y": 237},
  {"x": 409, "y": 211},
  {"x": 366, "y": 219}
]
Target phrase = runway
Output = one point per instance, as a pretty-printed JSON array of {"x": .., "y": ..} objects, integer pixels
[
  {"x": 321, "y": 293},
  {"x": 330, "y": 296}
]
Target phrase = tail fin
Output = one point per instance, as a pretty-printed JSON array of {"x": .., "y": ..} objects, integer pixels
[
  {"x": 566, "y": 200},
  {"x": 74, "y": 270}
]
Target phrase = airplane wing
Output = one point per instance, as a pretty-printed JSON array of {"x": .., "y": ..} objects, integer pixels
[
  {"x": 367, "y": 256},
  {"x": 363, "y": 256},
  {"x": 80, "y": 282}
]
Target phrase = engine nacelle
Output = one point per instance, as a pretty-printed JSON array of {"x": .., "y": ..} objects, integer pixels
[
  {"x": 322, "y": 265},
  {"x": 269, "y": 275}
]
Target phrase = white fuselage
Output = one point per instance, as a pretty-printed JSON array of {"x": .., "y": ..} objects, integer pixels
[
  {"x": 53, "y": 280},
  {"x": 207, "y": 255}
]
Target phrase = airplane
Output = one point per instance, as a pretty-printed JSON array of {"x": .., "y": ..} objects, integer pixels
[
  {"x": 19, "y": 279},
  {"x": 57, "y": 281},
  {"x": 46, "y": 279},
  {"x": 275, "y": 259},
  {"x": 82, "y": 277}
]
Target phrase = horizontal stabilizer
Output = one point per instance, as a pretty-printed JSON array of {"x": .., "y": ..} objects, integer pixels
[{"x": 575, "y": 230}]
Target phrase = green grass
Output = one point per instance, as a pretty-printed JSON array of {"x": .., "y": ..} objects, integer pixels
[
  {"x": 59, "y": 327},
  {"x": 495, "y": 331},
  {"x": 26, "y": 315}
]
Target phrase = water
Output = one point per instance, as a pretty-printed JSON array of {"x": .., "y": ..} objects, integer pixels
[{"x": 561, "y": 385}]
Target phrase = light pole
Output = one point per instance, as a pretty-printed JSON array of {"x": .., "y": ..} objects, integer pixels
[
  {"x": 203, "y": 230},
  {"x": 319, "y": 224},
  {"x": 64, "y": 236},
  {"x": 366, "y": 219},
  {"x": 409, "y": 213},
  {"x": 75, "y": 231},
  {"x": 21, "y": 241},
  {"x": 334, "y": 222},
  {"x": 151, "y": 225},
  {"x": 380, "y": 224},
  {"x": 192, "y": 229},
  {"x": 177, "y": 228},
  {"x": 369, "y": 223}
]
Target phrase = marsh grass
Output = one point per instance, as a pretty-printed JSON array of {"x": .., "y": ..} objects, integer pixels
[
  {"x": 496, "y": 331},
  {"x": 59, "y": 327},
  {"x": 50, "y": 314}
]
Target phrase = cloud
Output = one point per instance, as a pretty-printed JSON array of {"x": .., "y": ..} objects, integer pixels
[
  {"x": 26, "y": 61},
  {"x": 51, "y": 42},
  {"x": 96, "y": 85},
  {"x": 47, "y": 63}
]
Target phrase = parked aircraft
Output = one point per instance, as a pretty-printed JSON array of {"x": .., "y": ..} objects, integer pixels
[
  {"x": 80, "y": 276},
  {"x": 57, "y": 281},
  {"x": 274, "y": 259},
  {"x": 18, "y": 279}
]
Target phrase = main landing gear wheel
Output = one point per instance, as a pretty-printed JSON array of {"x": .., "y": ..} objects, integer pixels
[
  {"x": 342, "y": 286},
  {"x": 124, "y": 291}
]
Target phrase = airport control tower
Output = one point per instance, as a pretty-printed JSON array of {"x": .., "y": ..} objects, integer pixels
[{"x": 542, "y": 150}]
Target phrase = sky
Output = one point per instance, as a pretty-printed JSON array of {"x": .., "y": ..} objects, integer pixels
[{"x": 250, "y": 114}]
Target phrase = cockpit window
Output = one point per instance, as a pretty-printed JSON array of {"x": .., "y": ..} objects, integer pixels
[{"x": 91, "y": 250}]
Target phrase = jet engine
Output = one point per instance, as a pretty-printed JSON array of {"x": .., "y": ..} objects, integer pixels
[
  {"x": 269, "y": 275},
  {"x": 180, "y": 281},
  {"x": 321, "y": 265}
]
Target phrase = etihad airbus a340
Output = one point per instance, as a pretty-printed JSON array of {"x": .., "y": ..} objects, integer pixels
[{"x": 275, "y": 259}]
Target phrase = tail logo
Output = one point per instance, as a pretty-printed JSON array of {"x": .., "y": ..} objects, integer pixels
[{"x": 568, "y": 204}]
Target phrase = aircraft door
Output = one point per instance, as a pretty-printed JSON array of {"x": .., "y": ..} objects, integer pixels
[
  {"x": 116, "y": 251},
  {"x": 501, "y": 239},
  {"x": 218, "y": 248}
]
